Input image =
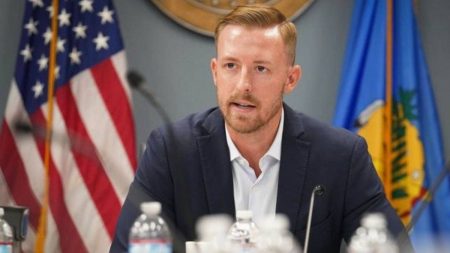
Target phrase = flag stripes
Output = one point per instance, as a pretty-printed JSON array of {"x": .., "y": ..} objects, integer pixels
[
  {"x": 89, "y": 165},
  {"x": 57, "y": 204},
  {"x": 111, "y": 89},
  {"x": 89, "y": 168},
  {"x": 50, "y": 245},
  {"x": 16, "y": 176},
  {"x": 77, "y": 196},
  {"x": 93, "y": 151},
  {"x": 90, "y": 103}
]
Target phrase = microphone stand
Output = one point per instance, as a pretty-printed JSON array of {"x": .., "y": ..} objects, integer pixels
[
  {"x": 319, "y": 190},
  {"x": 136, "y": 80}
]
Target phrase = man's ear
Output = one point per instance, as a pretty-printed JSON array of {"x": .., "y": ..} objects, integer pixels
[
  {"x": 294, "y": 76},
  {"x": 213, "y": 66}
]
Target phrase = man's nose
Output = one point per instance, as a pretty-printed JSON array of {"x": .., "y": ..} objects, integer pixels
[{"x": 245, "y": 81}]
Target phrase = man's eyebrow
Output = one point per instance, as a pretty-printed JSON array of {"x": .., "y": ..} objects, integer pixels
[
  {"x": 229, "y": 58},
  {"x": 262, "y": 62}
]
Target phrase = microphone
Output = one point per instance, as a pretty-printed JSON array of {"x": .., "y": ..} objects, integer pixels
[
  {"x": 24, "y": 128},
  {"x": 75, "y": 142},
  {"x": 319, "y": 190},
  {"x": 136, "y": 80}
]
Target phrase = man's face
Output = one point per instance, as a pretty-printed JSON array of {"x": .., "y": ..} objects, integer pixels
[{"x": 252, "y": 71}]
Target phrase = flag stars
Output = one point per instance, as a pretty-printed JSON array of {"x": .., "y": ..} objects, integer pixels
[
  {"x": 42, "y": 62},
  {"x": 80, "y": 31},
  {"x": 47, "y": 36},
  {"x": 106, "y": 15},
  {"x": 50, "y": 11},
  {"x": 60, "y": 45},
  {"x": 37, "y": 3},
  {"x": 57, "y": 69},
  {"x": 38, "y": 89},
  {"x": 31, "y": 26},
  {"x": 86, "y": 5},
  {"x": 75, "y": 56},
  {"x": 101, "y": 41},
  {"x": 26, "y": 53},
  {"x": 64, "y": 18}
]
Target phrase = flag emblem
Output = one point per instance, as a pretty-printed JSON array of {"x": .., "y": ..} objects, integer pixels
[{"x": 386, "y": 96}]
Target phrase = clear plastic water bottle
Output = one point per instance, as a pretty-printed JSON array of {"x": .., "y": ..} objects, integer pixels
[
  {"x": 244, "y": 232},
  {"x": 6, "y": 235},
  {"x": 191, "y": 247},
  {"x": 373, "y": 236},
  {"x": 150, "y": 233},
  {"x": 212, "y": 231},
  {"x": 275, "y": 236}
]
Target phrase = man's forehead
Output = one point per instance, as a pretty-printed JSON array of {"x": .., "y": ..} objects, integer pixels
[
  {"x": 256, "y": 43},
  {"x": 234, "y": 30}
]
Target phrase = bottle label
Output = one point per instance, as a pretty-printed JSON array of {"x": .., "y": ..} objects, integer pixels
[
  {"x": 5, "y": 248},
  {"x": 149, "y": 246}
]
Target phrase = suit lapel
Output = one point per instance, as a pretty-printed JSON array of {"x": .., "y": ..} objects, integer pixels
[
  {"x": 294, "y": 160},
  {"x": 216, "y": 166},
  {"x": 217, "y": 173}
]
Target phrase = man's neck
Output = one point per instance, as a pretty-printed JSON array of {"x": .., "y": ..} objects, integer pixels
[{"x": 253, "y": 146}]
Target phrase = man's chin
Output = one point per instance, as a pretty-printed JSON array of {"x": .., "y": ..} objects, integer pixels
[{"x": 243, "y": 126}]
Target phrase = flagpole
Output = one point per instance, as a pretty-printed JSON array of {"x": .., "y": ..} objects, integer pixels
[
  {"x": 388, "y": 108},
  {"x": 42, "y": 231}
]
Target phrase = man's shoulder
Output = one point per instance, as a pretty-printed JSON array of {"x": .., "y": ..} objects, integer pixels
[
  {"x": 314, "y": 130},
  {"x": 198, "y": 123},
  {"x": 185, "y": 132}
]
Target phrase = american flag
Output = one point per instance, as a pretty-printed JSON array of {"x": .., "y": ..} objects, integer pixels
[{"x": 92, "y": 152}]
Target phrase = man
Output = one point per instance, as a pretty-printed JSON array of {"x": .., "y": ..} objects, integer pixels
[{"x": 254, "y": 152}]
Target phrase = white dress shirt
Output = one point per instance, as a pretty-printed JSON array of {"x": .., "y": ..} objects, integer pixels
[{"x": 258, "y": 194}]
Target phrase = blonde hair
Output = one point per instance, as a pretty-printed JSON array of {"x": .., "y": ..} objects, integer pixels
[{"x": 261, "y": 16}]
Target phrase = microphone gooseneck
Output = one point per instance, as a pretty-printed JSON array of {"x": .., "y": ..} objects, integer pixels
[
  {"x": 136, "y": 81},
  {"x": 319, "y": 190},
  {"x": 78, "y": 144}
]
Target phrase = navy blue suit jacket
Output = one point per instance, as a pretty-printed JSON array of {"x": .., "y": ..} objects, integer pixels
[{"x": 187, "y": 168}]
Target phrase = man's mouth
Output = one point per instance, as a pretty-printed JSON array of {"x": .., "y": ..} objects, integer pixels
[{"x": 243, "y": 105}]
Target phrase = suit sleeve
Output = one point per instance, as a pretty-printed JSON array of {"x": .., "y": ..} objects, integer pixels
[
  {"x": 152, "y": 182},
  {"x": 365, "y": 194}
]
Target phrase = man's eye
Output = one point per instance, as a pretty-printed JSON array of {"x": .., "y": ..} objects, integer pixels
[
  {"x": 230, "y": 65},
  {"x": 261, "y": 69}
]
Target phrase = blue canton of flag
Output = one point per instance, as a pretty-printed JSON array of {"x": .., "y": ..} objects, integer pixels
[{"x": 87, "y": 34}]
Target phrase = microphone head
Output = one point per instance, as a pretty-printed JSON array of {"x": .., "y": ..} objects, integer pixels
[
  {"x": 23, "y": 127},
  {"x": 319, "y": 190},
  {"x": 134, "y": 79}
]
